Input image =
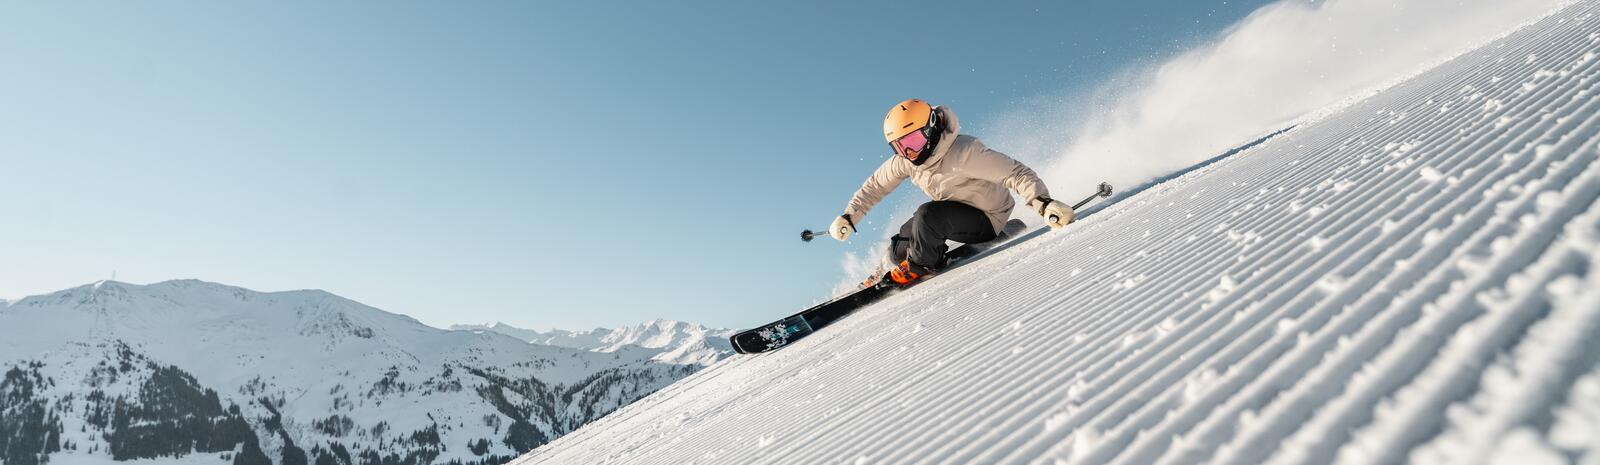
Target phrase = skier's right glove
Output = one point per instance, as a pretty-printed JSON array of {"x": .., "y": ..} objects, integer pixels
[
  {"x": 842, "y": 227},
  {"x": 1056, "y": 214}
]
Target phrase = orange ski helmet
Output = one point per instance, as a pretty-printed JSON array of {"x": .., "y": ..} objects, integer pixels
[{"x": 911, "y": 127}]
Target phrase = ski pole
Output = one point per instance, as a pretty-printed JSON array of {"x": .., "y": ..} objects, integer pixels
[
  {"x": 808, "y": 235},
  {"x": 1104, "y": 191}
]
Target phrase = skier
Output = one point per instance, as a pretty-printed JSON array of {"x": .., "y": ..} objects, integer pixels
[{"x": 966, "y": 180}]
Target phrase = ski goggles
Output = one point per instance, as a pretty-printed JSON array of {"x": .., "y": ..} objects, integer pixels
[{"x": 910, "y": 145}]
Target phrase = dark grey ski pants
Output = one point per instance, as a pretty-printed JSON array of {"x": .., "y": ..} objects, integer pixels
[{"x": 921, "y": 239}]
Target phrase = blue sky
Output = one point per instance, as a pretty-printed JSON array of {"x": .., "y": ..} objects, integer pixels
[{"x": 545, "y": 164}]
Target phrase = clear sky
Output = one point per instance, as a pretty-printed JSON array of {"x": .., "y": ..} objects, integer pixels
[{"x": 546, "y": 164}]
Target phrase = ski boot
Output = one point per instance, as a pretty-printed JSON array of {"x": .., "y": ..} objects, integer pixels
[{"x": 908, "y": 273}]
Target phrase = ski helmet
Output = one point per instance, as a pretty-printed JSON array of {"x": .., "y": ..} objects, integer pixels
[{"x": 912, "y": 129}]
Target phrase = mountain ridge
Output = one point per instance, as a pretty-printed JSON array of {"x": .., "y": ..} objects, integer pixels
[
  {"x": 674, "y": 341},
  {"x": 316, "y": 378}
]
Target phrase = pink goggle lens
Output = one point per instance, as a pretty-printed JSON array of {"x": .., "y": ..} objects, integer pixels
[{"x": 910, "y": 144}]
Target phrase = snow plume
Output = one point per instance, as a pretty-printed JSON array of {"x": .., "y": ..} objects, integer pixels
[
  {"x": 1281, "y": 63},
  {"x": 857, "y": 267}
]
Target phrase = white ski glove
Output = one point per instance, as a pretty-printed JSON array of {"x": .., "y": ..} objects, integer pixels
[
  {"x": 842, "y": 227},
  {"x": 1056, "y": 214}
]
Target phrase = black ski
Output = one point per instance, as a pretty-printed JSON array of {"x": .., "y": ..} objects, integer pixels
[
  {"x": 777, "y": 334},
  {"x": 780, "y": 333}
]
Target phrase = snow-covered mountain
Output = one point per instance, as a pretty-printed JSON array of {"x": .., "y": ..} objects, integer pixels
[
  {"x": 209, "y": 373},
  {"x": 1414, "y": 277},
  {"x": 675, "y": 342}
]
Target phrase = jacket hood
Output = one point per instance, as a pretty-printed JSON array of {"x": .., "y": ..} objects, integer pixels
[{"x": 947, "y": 137}]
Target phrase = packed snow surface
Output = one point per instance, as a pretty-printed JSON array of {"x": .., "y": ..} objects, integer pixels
[{"x": 1414, "y": 278}]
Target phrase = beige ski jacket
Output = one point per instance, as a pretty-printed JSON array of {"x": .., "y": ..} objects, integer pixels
[{"x": 961, "y": 169}]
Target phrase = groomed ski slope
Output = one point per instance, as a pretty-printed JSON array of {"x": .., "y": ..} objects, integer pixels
[{"x": 1415, "y": 278}]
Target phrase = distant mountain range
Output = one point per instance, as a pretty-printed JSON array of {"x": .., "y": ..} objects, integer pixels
[
  {"x": 200, "y": 372},
  {"x": 675, "y": 341}
]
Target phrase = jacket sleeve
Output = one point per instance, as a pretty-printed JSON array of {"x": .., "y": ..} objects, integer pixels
[
  {"x": 888, "y": 176},
  {"x": 984, "y": 163}
]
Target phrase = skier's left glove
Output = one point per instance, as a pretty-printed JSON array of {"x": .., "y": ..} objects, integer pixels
[
  {"x": 1056, "y": 214},
  {"x": 842, "y": 227}
]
